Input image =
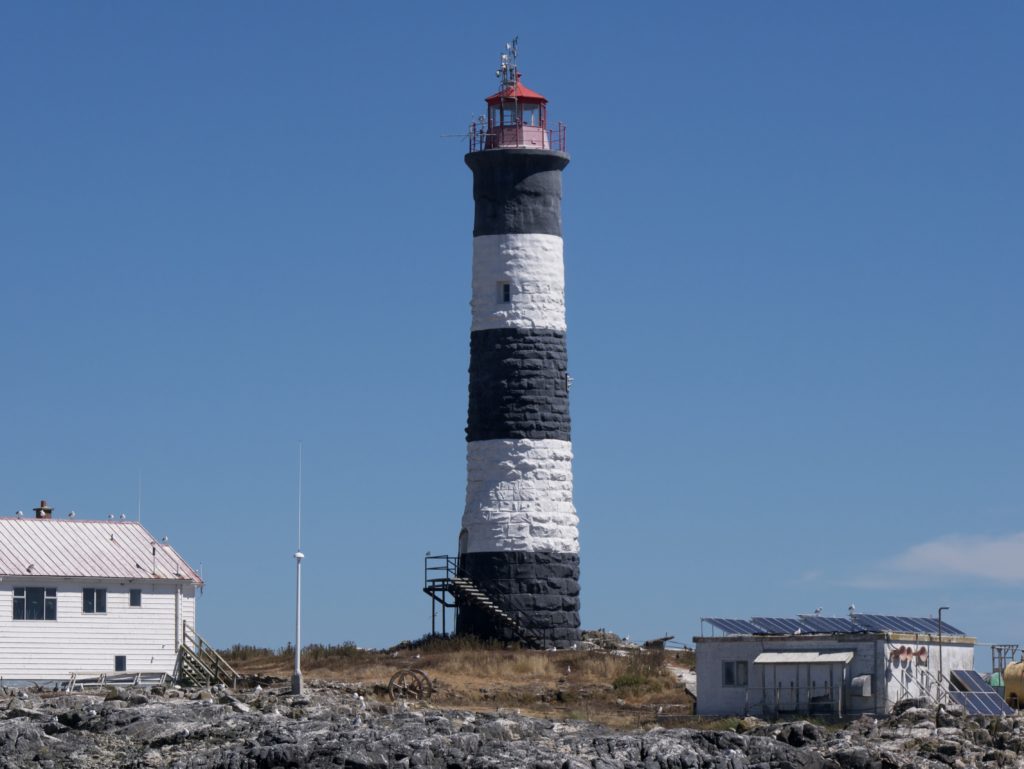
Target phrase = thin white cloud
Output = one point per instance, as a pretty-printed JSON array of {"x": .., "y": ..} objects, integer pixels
[
  {"x": 996, "y": 559},
  {"x": 813, "y": 575}
]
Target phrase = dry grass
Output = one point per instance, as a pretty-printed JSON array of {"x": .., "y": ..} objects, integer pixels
[{"x": 618, "y": 690}]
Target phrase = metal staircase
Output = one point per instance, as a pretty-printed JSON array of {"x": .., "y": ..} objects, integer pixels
[
  {"x": 450, "y": 588},
  {"x": 199, "y": 664}
]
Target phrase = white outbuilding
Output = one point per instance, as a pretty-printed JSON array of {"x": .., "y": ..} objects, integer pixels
[
  {"x": 777, "y": 666},
  {"x": 90, "y": 597}
]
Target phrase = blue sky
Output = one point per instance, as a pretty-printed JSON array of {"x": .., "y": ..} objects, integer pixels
[{"x": 793, "y": 258}]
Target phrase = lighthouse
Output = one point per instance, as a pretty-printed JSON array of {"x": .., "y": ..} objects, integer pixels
[{"x": 519, "y": 542}]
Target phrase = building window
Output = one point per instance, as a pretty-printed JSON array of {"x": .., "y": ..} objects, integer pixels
[
  {"x": 120, "y": 663},
  {"x": 94, "y": 600},
  {"x": 135, "y": 597},
  {"x": 734, "y": 673},
  {"x": 504, "y": 293},
  {"x": 35, "y": 603}
]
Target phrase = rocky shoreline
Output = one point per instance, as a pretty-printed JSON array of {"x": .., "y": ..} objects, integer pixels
[{"x": 337, "y": 725}]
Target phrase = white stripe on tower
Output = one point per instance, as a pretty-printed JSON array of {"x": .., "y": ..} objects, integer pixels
[
  {"x": 519, "y": 497},
  {"x": 531, "y": 265}
]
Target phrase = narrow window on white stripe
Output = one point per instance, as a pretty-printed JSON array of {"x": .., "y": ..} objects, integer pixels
[{"x": 504, "y": 292}]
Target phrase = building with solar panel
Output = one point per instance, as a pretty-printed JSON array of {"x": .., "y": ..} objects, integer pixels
[{"x": 775, "y": 667}]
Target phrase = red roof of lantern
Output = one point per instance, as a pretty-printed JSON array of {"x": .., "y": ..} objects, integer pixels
[{"x": 518, "y": 91}]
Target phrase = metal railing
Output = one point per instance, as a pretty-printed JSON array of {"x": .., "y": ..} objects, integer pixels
[
  {"x": 812, "y": 700},
  {"x": 516, "y": 135},
  {"x": 79, "y": 680},
  {"x": 443, "y": 574},
  {"x": 438, "y": 569}
]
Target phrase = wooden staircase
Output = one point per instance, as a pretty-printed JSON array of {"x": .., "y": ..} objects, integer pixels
[
  {"x": 443, "y": 578},
  {"x": 199, "y": 664}
]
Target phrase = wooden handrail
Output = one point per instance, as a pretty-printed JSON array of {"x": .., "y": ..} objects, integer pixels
[{"x": 208, "y": 657}]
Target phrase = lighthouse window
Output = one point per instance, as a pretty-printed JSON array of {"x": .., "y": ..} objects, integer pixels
[
  {"x": 531, "y": 114},
  {"x": 505, "y": 292}
]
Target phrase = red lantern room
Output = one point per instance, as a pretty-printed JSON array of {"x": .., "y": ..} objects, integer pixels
[{"x": 516, "y": 115}]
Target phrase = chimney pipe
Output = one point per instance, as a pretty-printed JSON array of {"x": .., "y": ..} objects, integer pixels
[{"x": 44, "y": 510}]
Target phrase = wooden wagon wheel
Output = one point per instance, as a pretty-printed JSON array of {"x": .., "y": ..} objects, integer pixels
[{"x": 409, "y": 684}]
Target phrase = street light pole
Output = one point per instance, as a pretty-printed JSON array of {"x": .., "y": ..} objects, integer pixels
[
  {"x": 941, "y": 609},
  {"x": 297, "y": 673}
]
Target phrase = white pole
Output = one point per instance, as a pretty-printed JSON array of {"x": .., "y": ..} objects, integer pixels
[{"x": 297, "y": 674}]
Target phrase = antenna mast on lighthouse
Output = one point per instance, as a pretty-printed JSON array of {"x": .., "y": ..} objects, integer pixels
[{"x": 508, "y": 70}]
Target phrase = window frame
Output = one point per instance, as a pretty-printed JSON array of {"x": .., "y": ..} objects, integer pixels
[
  {"x": 735, "y": 673},
  {"x": 94, "y": 600},
  {"x": 48, "y": 603},
  {"x": 135, "y": 597},
  {"x": 504, "y": 292},
  {"x": 120, "y": 663}
]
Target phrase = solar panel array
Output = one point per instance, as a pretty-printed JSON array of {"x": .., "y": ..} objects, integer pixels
[
  {"x": 981, "y": 703},
  {"x": 975, "y": 694},
  {"x": 733, "y": 626},
  {"x": 819, "y": 624},
  {"x": 780, "y": 625},
  {"x": 883, "y": 622},
  {"x": 969, "y": 681},
  {"x": 814, "y": 623}
]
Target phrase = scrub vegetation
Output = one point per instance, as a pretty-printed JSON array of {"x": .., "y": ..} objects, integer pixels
[{"x": 620, "y": 687}]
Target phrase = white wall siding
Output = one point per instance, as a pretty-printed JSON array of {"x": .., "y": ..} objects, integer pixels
[
  {"x": 519, "y": 497},
  {"x": 88, "y": 643},
  {"x": 532, "y": 265}
]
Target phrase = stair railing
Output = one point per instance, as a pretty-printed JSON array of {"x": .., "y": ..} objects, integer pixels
[
  {"x": 208, "y": 657},
  {"x": 444, "y": 574}
]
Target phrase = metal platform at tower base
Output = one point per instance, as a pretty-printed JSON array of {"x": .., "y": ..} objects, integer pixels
[{"x": 450, "y": 588}]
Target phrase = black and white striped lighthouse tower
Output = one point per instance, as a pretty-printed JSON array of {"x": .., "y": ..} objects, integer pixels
[{"x": 519, "y": 541}]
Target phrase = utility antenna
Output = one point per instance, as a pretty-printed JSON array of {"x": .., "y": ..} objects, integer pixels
[
  {"x": 297, "y": 673},
  {"x": 140, "y": 496},
  {"x": 508, "y": 68}
]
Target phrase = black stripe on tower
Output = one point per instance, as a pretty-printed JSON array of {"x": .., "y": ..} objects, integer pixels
[
  {"x": 518, "y": 385},
  {"x": 517, "y": 191},
  {"x": 541, "y": 589}
]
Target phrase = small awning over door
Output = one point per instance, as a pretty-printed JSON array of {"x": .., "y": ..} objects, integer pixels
[{"x": 802, "y": 658}]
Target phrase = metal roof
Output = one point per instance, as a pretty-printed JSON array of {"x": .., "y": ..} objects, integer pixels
[
  {"x": 518, "y": 91},
  {"x": 784, "y": 658},
  {"x": 48, "y": 547}
]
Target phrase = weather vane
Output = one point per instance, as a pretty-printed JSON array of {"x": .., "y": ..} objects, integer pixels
[{"x": 508, "y": 70}]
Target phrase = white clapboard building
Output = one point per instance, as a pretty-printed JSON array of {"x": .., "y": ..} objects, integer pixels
[{"x": 89, "y": 597}]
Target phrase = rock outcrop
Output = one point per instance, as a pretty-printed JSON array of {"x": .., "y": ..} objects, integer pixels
[{"x": 337, "y": 725}]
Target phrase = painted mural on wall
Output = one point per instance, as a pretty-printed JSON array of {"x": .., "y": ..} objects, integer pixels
[{"x": 907, "y": 666}]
